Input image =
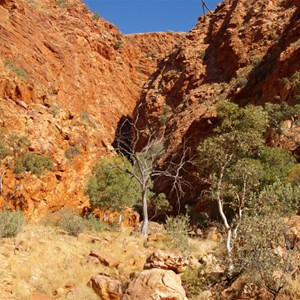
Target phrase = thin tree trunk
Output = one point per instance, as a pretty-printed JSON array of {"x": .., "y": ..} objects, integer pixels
[{"x": 145, "y": 213}]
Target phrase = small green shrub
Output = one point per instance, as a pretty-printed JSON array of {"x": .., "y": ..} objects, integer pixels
[
  {"x": 18, "y": 143},
  {"x": 203, "y": 54},
  {"x": 192, "y": 283},
  {"x": 71, "y": 152},
  {"x": 242, "y": 81},
  {"x": 92, "y": 223},
  {"x": 84, "y": 116},
  {"x": 118, "y": 44},
  {"x": 54, "y": 110},
  {"x": 96, "y": 16},
  {"x": 62, "y": 3},
  {"x": 71, "y": 222},
  {"x": 35, "y": 163},
  {"x": 11, "y": 223},
  {"x": 177, "y": 230},
  {"x": 10, "y": 65},
  {"x": 3, "y": 151}
]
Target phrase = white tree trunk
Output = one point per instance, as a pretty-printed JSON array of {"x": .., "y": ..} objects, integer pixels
[
  {"x": 145, "y": 213},
  {"x": 229, "y": 235}
]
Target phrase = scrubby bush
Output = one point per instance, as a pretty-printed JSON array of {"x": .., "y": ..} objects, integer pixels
[
  {"x": 35, "y": 163},
  {"x": 192, "y": 283},
  {"x": 11, "y": 223},
  {"x": 71, "y": 222},
  {"x": 71, "y": 152},
  {"x": 177, "y": 230},
  {"x": 92, "y": 223},
  {"x": 111, "y": 188},
  {"x": 62, "y": 3}
]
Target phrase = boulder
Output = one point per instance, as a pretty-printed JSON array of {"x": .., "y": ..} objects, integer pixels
[
  {"x": 155, "y": 284},
  {"x": 166, "y": 261},
  {"x": 106, "y": 259},
  {"x": 106, "y": 287},
  {"x": 153, "y": 228}
]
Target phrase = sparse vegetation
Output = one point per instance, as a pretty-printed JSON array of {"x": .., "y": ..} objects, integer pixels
[
  {"x": 17, "y": 70},
  {"x": 62, "y": 3},
  {"x": 71, "y": 222},
  {"x": 192, "y": 282},
  {"x": 242, "y": 81},
  {"x": 84, "y": 116},
  {"x": 177, "y": 230},
  {"x": 71, "y": 152},
  {"x": 96, "y": 16},
  {"x": 34, "y": 163},
  {"x": 118, "y": 44},
  {"x": 54, "y": 110},
  {"x": 11, "y": 223},
  {"x": 109, "y": 187}
]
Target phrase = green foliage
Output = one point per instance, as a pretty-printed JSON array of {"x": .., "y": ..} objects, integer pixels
[
  {"x": 84, "y": 116},
  {"x": 110, "y": 187},
  {"x": 158, "y": 204},
  {"x": 71, "y": 222},
  {"x": 35, "y": 163},
  {"x": 92, "y": 223},
  {"x": 192, "y": 283},
  {"x": 96, "y": 16},
  {"x": 294, "y": 175},
  {"x": 54, "y": 110},
  {"x": 242, "y": 81},
  {"x": 11, "y": 223},
  {"x": 118, "y": 44},
  {"x": 280, "y": 198},
  {"x": 62, "y": 3},
  {"x": 71, "y": 152},
  {"x": 18, "y": 143},
  {"x": 163, "y": 116},
  {"x": 279, "y": 112},
  {"x": 276, "y": 163},
  {"x": 261, "y": 248},
  {"x": 203, "y": 54},
  {"x": 3, "y": 151},
  {"x": 10, "y": 65},
  {"x": 177, "y": 230},
  {"x": 239, "y": 134}
]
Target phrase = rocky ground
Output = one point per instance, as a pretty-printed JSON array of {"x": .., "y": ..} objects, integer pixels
[{"x": 43, "y": 262}]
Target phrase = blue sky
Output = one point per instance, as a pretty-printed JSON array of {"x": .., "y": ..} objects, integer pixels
[{"x": 133, "y": 16}]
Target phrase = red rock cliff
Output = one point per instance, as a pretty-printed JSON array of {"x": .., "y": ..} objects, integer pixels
[
  {"x": 246, "y": 51},
  {"x": 66, "y": 77}
]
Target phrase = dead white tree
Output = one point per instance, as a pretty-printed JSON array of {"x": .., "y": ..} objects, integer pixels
[{"x": 145, "y": 150}]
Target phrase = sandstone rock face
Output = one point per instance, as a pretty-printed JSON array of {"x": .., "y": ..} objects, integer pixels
[
  {"x": 97, "y": 257},
  {"x": 66, "y": 78},
  {"x": 153, "y": 228},
  {"x": 166, "y": 261},
  {"x": 106, "y": 287},
  {"x": 242, "y": 51},
  {"x": 155, "y": 284}
]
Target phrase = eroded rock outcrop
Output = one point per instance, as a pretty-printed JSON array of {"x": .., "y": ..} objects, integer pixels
[
  {"x": 155, "y": 284},
  {"x": 246, "y": 51},
  {"x": 106, "y": 287},
  {"x": 66, "y": 78}
]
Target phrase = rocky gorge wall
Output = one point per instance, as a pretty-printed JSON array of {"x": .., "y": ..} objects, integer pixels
[
  {"x": 245, "y": 51},
  {"x": 66, "y": 78}
]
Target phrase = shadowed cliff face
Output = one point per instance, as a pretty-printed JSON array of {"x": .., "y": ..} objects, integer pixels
[
  {"x": 66, "y": 78},
  {"x": 246, "y": 51}
]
